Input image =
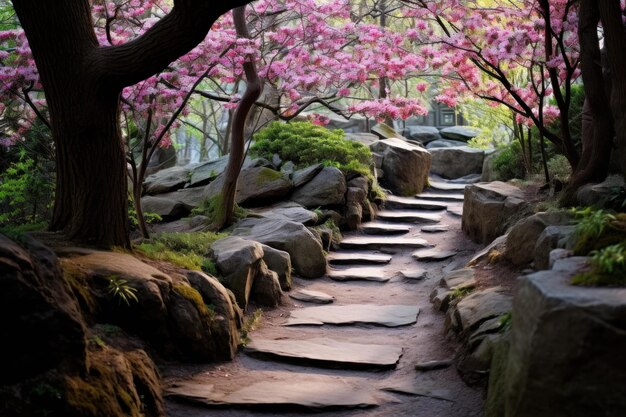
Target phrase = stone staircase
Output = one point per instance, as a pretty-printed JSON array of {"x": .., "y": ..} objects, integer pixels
[{"x": 369, "y": 345}]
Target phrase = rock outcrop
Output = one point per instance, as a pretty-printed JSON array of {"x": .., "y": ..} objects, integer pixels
[
  {"x": 489, "y": 209},
  {"x": 566, "y": 348},
  {"x": 456, "y": 162},
  {"x": 405, "y": 166},
  {"x": 304, "y": 249}
]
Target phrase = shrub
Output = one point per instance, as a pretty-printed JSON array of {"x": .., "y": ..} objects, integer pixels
[
  {"x": 560, "y": 168},
  {"x": 509, "y": 163},
  {"x": 597, "y": 229},
  {"x": 304, "y": 144}
]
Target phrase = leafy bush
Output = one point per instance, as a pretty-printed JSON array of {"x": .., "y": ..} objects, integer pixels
[
  {"x": 597, "y": 229},
  {"x": 508, "y": 163},
  {"x": 304, "y": 144},
  {"x": 560, "y": 168},
  {"x": 608, "y": 267},
  {"x": 187, "y": 250},
  {"x": 26, "y": 190}
]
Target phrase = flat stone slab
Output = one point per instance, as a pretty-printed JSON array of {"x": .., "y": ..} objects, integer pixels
[
  {"x": 382, "y": 229},
  {"x": 410, "y": 386},
  {"x": 414, "y": 274},
  {"x": 407, "y": 216},
  {"x": 278, "y": 391},
  {"x": 310, "y": 296},
  {"x": 435, "y": 196},
  {"x": 457, "y": 211},
  {"x": 433, "y": 254},
  {"x": 358, "y": 274},
  {"x": 388, "y": 316},
  {"x": 327, "y": 352},
  {"x": 396, "y": 202},
  {"x": 445, "y": 186},
  {"x": 345, "y": 258},
  {"x": 364, "y": 242},
  {"x": 459, "y": 279},
  {"x": 435, "y": 229}
]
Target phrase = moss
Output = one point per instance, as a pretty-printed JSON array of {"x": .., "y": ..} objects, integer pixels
[
  {"x": 212, "y": 209},
  {"x": 192, "y": 295},
  {"x": 459, "y": 293},
  {"x": 268, "y": 175},
  {"x": 79, "y": 285},
  {"x": 250, "y": 323}
]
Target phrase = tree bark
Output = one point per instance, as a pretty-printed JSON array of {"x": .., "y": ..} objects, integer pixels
[
  {"x": 597, "y": 129},
  {"x": 224, "y": 215},
  {"x": 614, "y": 38},
  {"x": 82, "y": 84}
]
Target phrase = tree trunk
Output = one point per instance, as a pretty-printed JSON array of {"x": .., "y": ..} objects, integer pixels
[
  {"x": 224, "y": 215},
  {"x": 614, "y": 38},
  {"x": 82, "y": 83},
  {"x": 597, "y": 129}
]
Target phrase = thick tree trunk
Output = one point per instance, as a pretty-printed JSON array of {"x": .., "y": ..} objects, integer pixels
[
  {"x": 82, "y": 83},
  {"x": 597, "y": 129},
  {"x": 614, "y": 39},
  {"x": 224, "y": 216}
]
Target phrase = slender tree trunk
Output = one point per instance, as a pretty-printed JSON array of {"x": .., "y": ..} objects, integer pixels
[
  {"x": 614, "y": 39},
  {"x": 225, "y": 213},
  {"x": 597, "y": 129},
  {"x": 82, "y": 83}
]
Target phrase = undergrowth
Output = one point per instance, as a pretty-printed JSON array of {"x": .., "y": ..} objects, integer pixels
[
  {"x": 250, "y": 323},
  {"x": 187, "y": 250},
  {"x": 608, "y": 267}
]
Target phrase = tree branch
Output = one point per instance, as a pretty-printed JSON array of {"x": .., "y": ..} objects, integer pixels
[{"x": 173, "y": 36}]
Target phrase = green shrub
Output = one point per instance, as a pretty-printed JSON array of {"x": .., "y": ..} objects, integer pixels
[
  {"x": 304, "y": 144},
  {"x": 597, "y": 229},
  {"x": 560, "y": 168},
  {"x": 26, "y": 192},
  {"x": 509, "y": 162}
]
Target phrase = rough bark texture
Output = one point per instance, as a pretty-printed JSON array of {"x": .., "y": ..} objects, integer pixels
[
  {"x": 225, "y": 214},
  {"x": 82, "y": 83},
  {"x": 614, "y": 38},
  {"x": 597, "y": 132}
]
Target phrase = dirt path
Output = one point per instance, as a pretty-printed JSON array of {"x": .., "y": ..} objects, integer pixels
[{"x": 355, "y": 380}]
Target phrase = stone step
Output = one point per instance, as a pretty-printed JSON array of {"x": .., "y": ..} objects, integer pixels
[
  {"x": 408, "y": 216},
  {"x": 395, "y": 202},
  {"x": 435, "y": 229},
  {"x": 351, "y": 258},
  {"x": 325, "y": 352},
  {"x": 440, "y": 185},
  {"x": 378, "y": 242},
  {"x": 433, "y": 255},
  {"x": 309, "y": 296},
  {"x": 277, "y": 391},
  {"x": 385, "y": 315},
  {"x": 456, "y": 211},
  {"x": 377, "y": 228},
  {"x": 437, "y": 196},
  {"x": 359, "y": 274}
]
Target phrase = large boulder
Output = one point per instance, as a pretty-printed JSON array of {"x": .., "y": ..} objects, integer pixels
[
  {"x": 456, "y": 162},
  {"x": 405, "y": 166},
  {"x": 327, "y": 188},
  {"x": 523, "y": 236},
  {"x": 40, "y": 321},
  {"x": 424, "y": 134},
  {"x": 385, "y": 131},
  {"x": 206, "y": 172},
  {"x": 288, "y": 210},
  {"x": 166, "y": 207},
  {"x": 566, "y": 355},
  {"x": 304, "y": 249},
  {"x": 280, "y": 262},
  {"x": 304, "y": 175},
  {"x": 266, "y": 289},
  {"x": 462, "y": 133},
  {"x": 489, "y": 209},
  {"x": 168, "y": 312},
  {"x": 167, "y": 180},
  {"x": 445, "y": 143},
  {"x": 238, "y": 260},
  {"x": 478, "y": 307},
  {"x": 365, "y": 138},
  {"x": 256, "y": 185},
  {"x": 600, "y": 194}
]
